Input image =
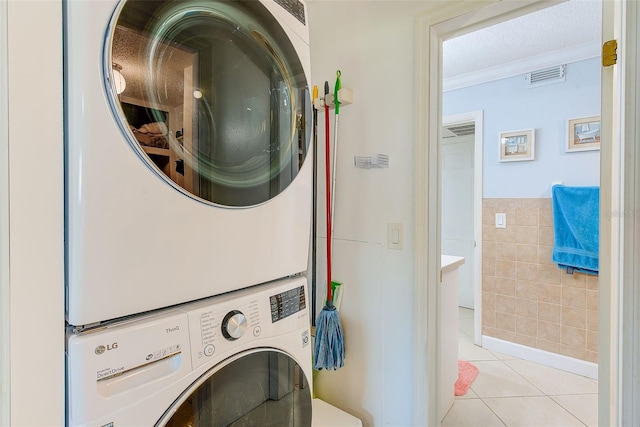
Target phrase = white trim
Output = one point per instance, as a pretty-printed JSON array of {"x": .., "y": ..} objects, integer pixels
[
  {"x": 610, "y": 348},
  {"x": 36, "y": 178},
  {"x": 523, "y": 66},
  {"x": 426, "y": 347},
  {"x": 5, "y": 290},
  {"x": 478, "y": 118},
  {"x": 629, "y": 216},
  {"x": 541, "y": 357}
]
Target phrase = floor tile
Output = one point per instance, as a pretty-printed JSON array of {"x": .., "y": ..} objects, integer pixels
[
  {"x": 553, "y": 381},
  {"x": 471, "y": 413},
  {"x": 496, "y": 379},
  {"x": 582, "y": 406},
  {"x": 536, "y": 411},
  {"x": 470, "y": 394},
  {"x": 465, "y": 313},
  {"x": 466, "y": 326},
  {"x": 470, "y": 352},
  {"x": 513, "y": 392}
]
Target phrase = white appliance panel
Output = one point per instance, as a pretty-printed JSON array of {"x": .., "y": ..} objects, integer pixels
[
  {"x": 135, "y": 243},
  {"x": 150, "y": 368}
]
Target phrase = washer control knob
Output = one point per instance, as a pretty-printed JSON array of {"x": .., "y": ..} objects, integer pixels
[{"x": 234, "y": 325}]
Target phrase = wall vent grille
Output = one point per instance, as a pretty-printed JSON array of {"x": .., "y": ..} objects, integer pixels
[
  {"x": 459, "y": 130},
  {"x": 546, "y": 76}
]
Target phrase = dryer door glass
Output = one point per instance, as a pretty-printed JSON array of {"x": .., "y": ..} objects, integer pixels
[
  {"x": 211, "y": 95},
  {"x": 260, "y": 388}
]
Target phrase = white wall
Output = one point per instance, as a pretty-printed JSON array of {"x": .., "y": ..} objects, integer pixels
[
  {"x": 372, "y": 44},
  {"x": 509, "y": 105},
  {"x": 32, "y": 271}
]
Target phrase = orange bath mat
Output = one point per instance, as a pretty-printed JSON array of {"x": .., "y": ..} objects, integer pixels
[{"x": 467, "y": 372}]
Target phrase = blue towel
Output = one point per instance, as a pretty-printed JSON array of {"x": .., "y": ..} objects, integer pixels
[{"x": 576, "y": 215}]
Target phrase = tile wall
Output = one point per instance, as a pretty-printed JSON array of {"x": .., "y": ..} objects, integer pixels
[{"x": 526, "y": 298}]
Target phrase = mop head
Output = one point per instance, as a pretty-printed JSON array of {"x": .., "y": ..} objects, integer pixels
[{"x": 329, "y": 344}]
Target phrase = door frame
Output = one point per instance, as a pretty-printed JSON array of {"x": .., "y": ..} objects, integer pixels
[
  {"x": 32, "y": 228},
  {"x": 621, "y": 387},
  {"x": 477, "y": 117},
  {"x": 434, "y": 26},
  {"x": 5, "y": 295}
]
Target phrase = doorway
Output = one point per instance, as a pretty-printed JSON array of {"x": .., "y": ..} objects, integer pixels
[
  {"x": 491, "y": 395},
  {"x": 432, "y": 30}
]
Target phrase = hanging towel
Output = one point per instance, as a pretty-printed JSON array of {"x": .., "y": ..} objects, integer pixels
[{"x": 576, "y": 215}]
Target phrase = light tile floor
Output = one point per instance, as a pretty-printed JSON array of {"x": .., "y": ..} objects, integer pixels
[{"x": 510, "y": 392}]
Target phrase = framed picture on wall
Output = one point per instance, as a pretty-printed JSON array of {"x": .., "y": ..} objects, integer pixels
[
  {"x": 583, "y": 134},
  {"x": 517, "y": 146}
]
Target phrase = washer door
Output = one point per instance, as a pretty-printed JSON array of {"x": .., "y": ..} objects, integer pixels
[
  {"x": 258, "y": 388},
  {"x": 211, "y": 95}
]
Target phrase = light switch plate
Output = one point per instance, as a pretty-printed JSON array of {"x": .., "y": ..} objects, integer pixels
[
  {"x": 395, "y": 236},
  {"x": 501, "y": 220}
]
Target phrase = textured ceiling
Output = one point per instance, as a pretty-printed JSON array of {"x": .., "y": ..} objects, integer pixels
[{"x": 569, "y": 24}]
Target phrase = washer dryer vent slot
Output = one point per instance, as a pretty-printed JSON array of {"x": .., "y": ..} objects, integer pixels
[{"x": 294, "y": 7}]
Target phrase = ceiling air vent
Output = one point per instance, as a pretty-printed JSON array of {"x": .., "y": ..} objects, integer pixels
[
  {"x": 546, "y": 76},
  {"x": 459, "y": 130}
]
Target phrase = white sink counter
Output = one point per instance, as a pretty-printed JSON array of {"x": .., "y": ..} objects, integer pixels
[
  {"x": 448, "y": 330},
  {"x": 449, "y": 262}
]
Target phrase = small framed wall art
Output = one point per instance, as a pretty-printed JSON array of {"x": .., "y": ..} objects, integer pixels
[
  {"x": 583, "y": 134},
  {"x": 517, "y": 146}
]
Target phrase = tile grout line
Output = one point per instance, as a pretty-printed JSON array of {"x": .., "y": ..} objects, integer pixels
[
  {"x": 494, "y": 412},
  {"x": 568, "y": 411}
]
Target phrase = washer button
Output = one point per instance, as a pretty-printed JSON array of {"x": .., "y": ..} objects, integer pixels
[
  {"x": 209, "y": 349},
  {"x": 257, "y": 331}
]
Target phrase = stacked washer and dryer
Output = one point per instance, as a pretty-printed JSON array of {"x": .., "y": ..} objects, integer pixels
[{"x": 188, "y": 205}]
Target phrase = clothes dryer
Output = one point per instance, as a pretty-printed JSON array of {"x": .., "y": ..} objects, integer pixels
[
  {"x": 188, "y": 169},
  {"x": 239, "y": 359}
]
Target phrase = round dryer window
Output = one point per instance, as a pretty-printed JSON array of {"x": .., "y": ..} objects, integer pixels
[
  {"x": 212, "y": 95},
  {"x": 260, "y": 388}
]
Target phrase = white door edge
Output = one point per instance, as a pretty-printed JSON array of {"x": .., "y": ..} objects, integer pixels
[
  {"x": 5, "y": 306},
  {"x": 619, "y": 221},
  {"x": 478, "y": 118}
]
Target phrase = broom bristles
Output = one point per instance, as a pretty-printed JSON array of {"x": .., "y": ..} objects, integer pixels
[{"x": 329, "y": 343}]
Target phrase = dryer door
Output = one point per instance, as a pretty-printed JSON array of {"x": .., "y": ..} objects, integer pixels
[
  {"x": 211, "y": 95},
  {"x": 256, "y": 388}
]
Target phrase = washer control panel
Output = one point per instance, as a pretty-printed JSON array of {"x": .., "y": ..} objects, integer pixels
[
  {"x": 216, "y": 328},
  {"x": 224, "y": 324},
  {"x": 287, "y": 303}
]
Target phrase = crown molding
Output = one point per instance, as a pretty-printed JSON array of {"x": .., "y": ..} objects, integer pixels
[{"x": 515, "y": 68}]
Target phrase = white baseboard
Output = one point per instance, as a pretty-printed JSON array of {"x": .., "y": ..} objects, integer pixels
[{"x": 546, "y": 358}]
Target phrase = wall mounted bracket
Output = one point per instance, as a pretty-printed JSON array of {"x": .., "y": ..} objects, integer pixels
[{"x": 345, "y": 97}]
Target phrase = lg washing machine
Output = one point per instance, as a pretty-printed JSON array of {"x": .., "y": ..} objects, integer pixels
[
  {"x": 188, "y": 172},
  {"x": 239, "y": 359}
]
